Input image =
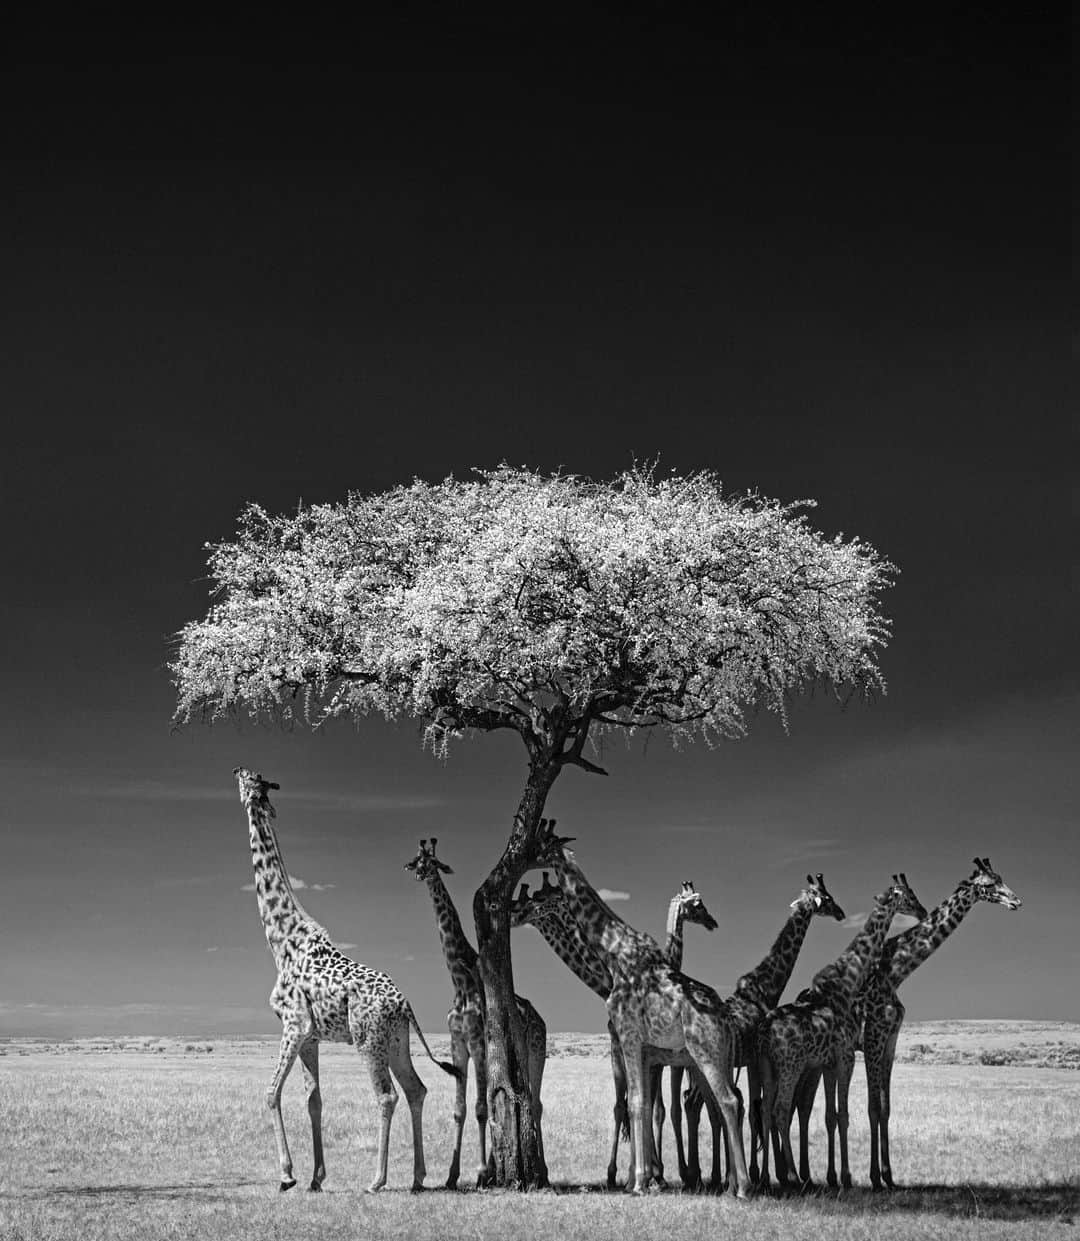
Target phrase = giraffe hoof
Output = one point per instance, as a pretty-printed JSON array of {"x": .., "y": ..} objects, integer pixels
[
  {"x": 315, "y": 1188},
  {"x": 845, "y": 1182},
  {"x": 418, "y": 1187},
  {"x": 285, "y": 1186}
]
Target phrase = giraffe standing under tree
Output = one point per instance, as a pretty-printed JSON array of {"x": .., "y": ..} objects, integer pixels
[
  {"x": 468, "y": 1037},
  {"x": 657, "y": 1012},
  {"x": 547, "y": 911},
  {"x": 321, "y": 994}
]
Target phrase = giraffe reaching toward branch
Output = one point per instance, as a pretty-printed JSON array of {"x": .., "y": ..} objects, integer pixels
[
  {"x": 322, "y": 995},
  {"x": 468, "y": 1037}
]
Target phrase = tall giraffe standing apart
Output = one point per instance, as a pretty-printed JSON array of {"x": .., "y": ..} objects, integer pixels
[
  {"x": 321, "y": 994},
  {"x": 880, "y": 1007},
  {"x": 547, "y": 911},
  {"x": 819, "y": 1031},
  {"x": 756, "y": 994},
  {"x": 468, "y": 1038},
  {"x": 656, "y": 1011}
]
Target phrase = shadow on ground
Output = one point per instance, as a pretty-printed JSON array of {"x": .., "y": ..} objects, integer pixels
[
  {"x": 1053, "y": 1200},
  {"x": 1058, "y": 1201}
]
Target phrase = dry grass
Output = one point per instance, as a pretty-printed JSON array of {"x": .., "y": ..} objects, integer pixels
[{"x": 158, "y": 1138}]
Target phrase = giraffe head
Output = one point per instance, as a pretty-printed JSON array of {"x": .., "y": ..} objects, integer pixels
[
  {"x": 426, "y": 864},
  {"x": 525, "y": 907},
  {"x": 989, "y": 885},
  {"x": 551, "y": 850},
  {"x": 254, "y": 790},
  {"x": 902, "y": 898},
  {"x": 693, "y": 907},
  {"x": 815, "y": 897}
]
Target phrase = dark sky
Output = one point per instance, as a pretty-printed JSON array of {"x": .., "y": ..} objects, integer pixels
[{"x": 822, "y": 261}]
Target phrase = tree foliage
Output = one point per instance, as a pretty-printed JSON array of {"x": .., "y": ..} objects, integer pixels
[{"x": 550, "y": 605}]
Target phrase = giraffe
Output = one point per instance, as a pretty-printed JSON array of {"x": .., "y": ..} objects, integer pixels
[
  {"x": 756, "y": 994},
  {"x": 880, "y": 1008},
  {"x": 818, "y": 1031},
  {"x": 468, "y": 1037},
  {"x": 321, "y": 994},
  {"x": 547, "y": 911},
  {"x": 657, "y": 1012}
]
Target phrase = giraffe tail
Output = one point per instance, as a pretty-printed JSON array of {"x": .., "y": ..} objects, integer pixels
[{"x": 445, "y": 1065}]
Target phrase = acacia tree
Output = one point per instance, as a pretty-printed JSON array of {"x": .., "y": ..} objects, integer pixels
[{"x": 553, "y": 606}]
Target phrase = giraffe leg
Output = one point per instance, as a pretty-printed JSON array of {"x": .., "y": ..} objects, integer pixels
[
  {"x": 713, "y": 1059},
  {"x": 886, "y": 1108},
  {"x": 722, "y": 1177},
  {"x": 637, "y": 1094},
  {"x": 753, "y": 1093},
  {"x": 690, "y": 1171},
  {"x": 309, "y": 1062},
  {"x": 781, "y": 1125},
  {"x": 459, "y": 1054},
  {"x": 829, "y": 1078},
  {"x": 375, "y": 1052},
  {"x": 872, "y": 1060},
  {"x": 843, "y": 1085},
  {"x": 536, "y": 1035},
  {"x": 415, "y": 1093},
  {"x": 805, "y": 1094},
  {"x": 657, "y": 1114},
  {"x": 676, "y": 1079},
  {"x": 621, "y": 1116},
  {"x": 477, "y": 1052},
  {"x": 717, "y": 1182},
  {"x": 292, "y": 1036}
]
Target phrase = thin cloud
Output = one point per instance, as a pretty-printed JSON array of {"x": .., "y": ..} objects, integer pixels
[
  {"x": 805, "y": 852},
  {"x": 344, "y": 945},
  {"x": 612, "y": 894},
  {"x": 169, "y": 791},
  {"x": 901, "y": 922},
  {"x": 296, "y": 884},
  {"x": 215, "y": 948}
]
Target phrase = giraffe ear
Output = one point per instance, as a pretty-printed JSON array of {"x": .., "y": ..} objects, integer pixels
[
  {"x": 810, "y": 879},
  {"x": 271, "y": 784},
  {"x": 449, "y": 870}
]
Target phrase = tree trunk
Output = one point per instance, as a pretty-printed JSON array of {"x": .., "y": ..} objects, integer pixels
[{"x": 515, "y": 1132}]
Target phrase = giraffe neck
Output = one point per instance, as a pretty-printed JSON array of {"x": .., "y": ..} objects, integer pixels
[
  {"x": 282, "y": 914},
  {"x": 904, "y": 954},
  {"x": 460, "y": 955},
  {"x": 845, "y": 976},
  {"x": 608, "y": 934},
  {"x": 673, "y": 949},
  {"x": 770, "y": 978},
  {"x": 561, "y": 932}
]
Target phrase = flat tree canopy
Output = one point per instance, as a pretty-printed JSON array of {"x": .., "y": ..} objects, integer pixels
[
  {"x": 517, "y": 600},
  {"x": 551, "y": 605}
]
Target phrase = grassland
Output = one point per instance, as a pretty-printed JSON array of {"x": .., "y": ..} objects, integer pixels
[{"x": 169, "y": 1139}]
